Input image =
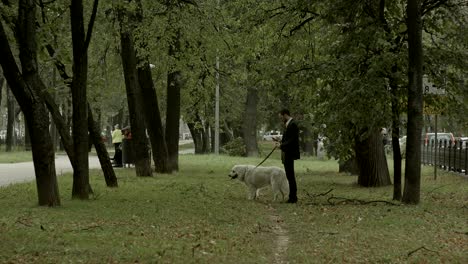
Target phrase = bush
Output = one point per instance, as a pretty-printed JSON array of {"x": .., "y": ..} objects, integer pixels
[{"x": 235, "y": 147}]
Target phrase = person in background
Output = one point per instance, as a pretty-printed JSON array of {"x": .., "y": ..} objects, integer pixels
[
  {"x": 117, "y": 140},
  {"x": 128, "y": 154}
]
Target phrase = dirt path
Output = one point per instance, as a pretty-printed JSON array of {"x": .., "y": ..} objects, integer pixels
[{"x": 282, "y": 238}]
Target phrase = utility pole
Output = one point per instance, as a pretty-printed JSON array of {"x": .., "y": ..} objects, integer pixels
[{"x": 216, "y": 138}]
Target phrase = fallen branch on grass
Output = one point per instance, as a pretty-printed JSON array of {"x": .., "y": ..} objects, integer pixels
[
  {"x": 328, "y": 233},
  {"x": 19, "y": 221},
  {"x": 341, "y": 200},
  {"x": 91, "y": 227},
  {"x": 320, "y": 194},
  {"x": 420, "y": 248}
]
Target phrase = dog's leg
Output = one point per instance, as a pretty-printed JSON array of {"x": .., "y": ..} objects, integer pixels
[
  {"x": 253, "y": 193},
  {"x": 275, "y": 189}
]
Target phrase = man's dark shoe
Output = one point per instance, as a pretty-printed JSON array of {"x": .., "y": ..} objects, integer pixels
[{"x": 292, "y": 200}]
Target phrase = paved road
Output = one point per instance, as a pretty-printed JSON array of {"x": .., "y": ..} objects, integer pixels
[{"x": 24, "y": 171}]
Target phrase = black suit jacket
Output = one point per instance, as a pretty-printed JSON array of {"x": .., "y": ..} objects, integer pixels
[{"x": 290, "y": 141}]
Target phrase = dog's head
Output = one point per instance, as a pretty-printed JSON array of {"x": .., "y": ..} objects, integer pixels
[{"x": 238, "y": 171}]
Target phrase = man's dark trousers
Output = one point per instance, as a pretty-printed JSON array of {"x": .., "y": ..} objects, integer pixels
[{"x": 289, "y": 169}]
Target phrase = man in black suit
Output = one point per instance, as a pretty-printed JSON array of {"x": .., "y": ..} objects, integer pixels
[{"x": 289, "y": 146}]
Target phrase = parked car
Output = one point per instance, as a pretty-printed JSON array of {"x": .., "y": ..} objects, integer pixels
[
  {"x": 429, "y": 137},
  {"x": 270, "y": 135},
  {"x": 464, "y": 141}
]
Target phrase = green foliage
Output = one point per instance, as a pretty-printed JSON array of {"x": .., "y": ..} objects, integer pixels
[
  {"x": 330, "y": 62},
  {"x": 235, "y": 147}
]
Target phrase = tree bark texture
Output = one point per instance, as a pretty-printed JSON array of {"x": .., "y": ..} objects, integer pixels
[
  {"x": 37, "y": 120},
  {"x": 81, "y": 187},
  {"x": 199, "y": 134},
  {"x": 396, "y": 141},
  {"x": 129, "y": 62},
  {"x": 27, "y": 137},
  {"x": 174, "y": 83},
  {"x": 101, "y": 150},
  {"x": 2, "y": 84},
  {"x": 153, "y": 119},
  {"x": 349, "y": 166},
  {"x": 63, "y": 127},
  {"x": 372, "y": 162},
  {"x": 411, "y": 193},
  {"x": 308, "y": 142},
  {"x": 10, "y": 121},
  {"x": 250, "y": 122}
]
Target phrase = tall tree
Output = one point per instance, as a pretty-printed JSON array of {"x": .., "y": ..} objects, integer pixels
[
  {"x": 134, "y": 97},
  {"x": 80, "y": 41},
  {"x": 32, "y": 106},
  {"x": 93, "y": 127},
  {"x": 372, "y": 162},
  {"x": 174, "y": 83},
  {"x": 411, "y": 193},
  {"x": 10, "y": 134},
  {"x": 153, "y": 118}
]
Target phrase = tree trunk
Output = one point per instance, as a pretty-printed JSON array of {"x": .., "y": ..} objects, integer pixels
[
  {"x": 81, "y": 187},
  {"x": 10, "y": 121},
  {"x": 2, "y": 84},
  {"x": 63, "y": 127},
  {"x": 372, "y": 162},
  {"x": 395, "y": 140},
  {"x": 197, "y": 136},
  {"x": 34, "y": 111},
  {"x": 129, "y": 62},
  {"x": 27, "y": 137},
  {"x": 308, "y": 141},
  {"x": 250, "y": 123},
  {"x": 349, "y": 166},
  {"x": 411, "y": 193},
  {"x": 174, "y": 83},
  {"x": 229, "y": 134},
  {"x": 153, "y": 119},
  {"x": 101, "y": 150}
]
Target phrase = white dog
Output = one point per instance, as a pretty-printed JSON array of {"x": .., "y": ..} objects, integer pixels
[{"x": 257, "y": 178}]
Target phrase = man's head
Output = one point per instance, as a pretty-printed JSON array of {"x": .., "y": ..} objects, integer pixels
[
  {"x": 116, "y": 126},
  {"x": 284, "y": 115}
]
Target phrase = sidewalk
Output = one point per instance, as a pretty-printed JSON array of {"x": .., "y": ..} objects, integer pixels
[
  {"x": 24, "y": 171},
  {"x": 11, "y": 173}
]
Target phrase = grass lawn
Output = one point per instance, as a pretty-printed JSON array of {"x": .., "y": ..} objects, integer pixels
[
  {"x": 15, "y": 156},
  {"x": 199, "y": 215}
]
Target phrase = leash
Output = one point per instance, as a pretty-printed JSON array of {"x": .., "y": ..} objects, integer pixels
[{"x": 266, "y": 157}]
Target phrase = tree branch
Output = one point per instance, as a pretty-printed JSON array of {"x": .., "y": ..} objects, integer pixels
[
  {"x": 419, "y": 248},
  {"x": 297, "y": 71},
  {"x": 430, "y": 5},
  {"x": 91, "y": 24},
  {"x": 301, "y": 24}
]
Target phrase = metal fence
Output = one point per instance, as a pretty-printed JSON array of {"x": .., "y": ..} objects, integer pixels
[{"x": 447, "y": 155}]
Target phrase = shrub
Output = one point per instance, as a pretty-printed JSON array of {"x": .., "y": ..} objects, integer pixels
[{"x": 235, "y": 147}]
